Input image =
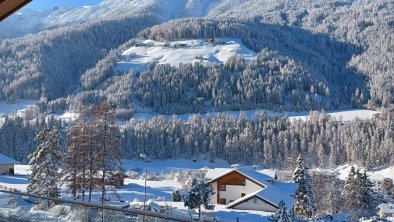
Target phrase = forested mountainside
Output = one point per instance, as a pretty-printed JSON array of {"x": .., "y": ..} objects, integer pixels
[
  {"x": 311, "y": 55},
  {"x": 49, "y": 64}
]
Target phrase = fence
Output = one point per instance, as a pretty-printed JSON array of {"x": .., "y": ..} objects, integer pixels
[{"x": 132, "y": 214}]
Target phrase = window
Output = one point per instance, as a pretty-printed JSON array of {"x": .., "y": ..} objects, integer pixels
[
  {"x": 243, "y": 181},
  {"x": 222, "y": 187},
  {"x": 242, "y": 194},
  {"x": 255, "y": 200},
  {"x": 222, "y": 201}
]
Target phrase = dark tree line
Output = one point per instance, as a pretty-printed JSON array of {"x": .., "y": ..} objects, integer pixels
[{"x": 17, "y": 135}]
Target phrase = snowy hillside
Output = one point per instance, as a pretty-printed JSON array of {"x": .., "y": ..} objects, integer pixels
[
  {"x": 30, "y": 20},
  {"x": 177, "y": 52}
]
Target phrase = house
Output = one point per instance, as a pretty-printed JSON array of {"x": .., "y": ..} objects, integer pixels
[
  {"x": 386, "y": 210},
  {"x": 7, "y": 164},
  {"x": 246, "y": 189}
]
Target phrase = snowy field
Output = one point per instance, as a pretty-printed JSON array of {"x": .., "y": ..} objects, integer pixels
[
  {"x": 344, "y": 115},
  {"x": 177, "y": 52},
  {"x": 159, "y": 190},
  {"x": 132, "y": 193},
  {"x": 17, "y": 108}
]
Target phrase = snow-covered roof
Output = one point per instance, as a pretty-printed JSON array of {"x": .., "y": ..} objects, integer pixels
[
  {"x": 273, "y": 192},
  {"x": 215, "y": 173},
  {"x": 250, "y": 173},
  {"x": 5, "y": 159},
  {"x": 387, "y": 208}
]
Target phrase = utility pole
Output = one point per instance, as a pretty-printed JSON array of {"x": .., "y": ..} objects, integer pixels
[{"x": 146, "y": 174}]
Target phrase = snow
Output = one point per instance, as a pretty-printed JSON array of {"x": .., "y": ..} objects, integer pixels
[
  {"x": 226, "y": 215},
  {"x": 213, "y": 174},
  {"x": 278, "y": 191},
  {"x": 67, "y": 116},
  {"x": 273, "y": 192},
  {"x": 376, "y": 174},
  {"x": 387, "y": 208},
  {"x": 341, "y": 115},
  {"x": 177, "y": 52},
  {"x": 18, "y": 107},
  {"x": 166, "y": 166},
  {"x": 5, "y": 159},
  {"x": 16, "y": 182}
]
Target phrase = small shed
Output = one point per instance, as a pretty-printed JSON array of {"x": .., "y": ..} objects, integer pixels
[{"x": 7, "y": 164}]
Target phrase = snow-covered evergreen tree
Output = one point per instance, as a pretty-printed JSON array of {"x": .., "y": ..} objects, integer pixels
[
  {"x": 368, "y": 200},
  {"x": 199, "y": 195},
  {"x": 305, "y": 203},
  {"x": 45, "y": 163},
  {"x": 358, "y": 195},
  {"x": 352, "y": 194},
  {"x": 281, "y": 215}
]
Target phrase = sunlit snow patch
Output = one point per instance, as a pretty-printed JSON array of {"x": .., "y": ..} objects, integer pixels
[{"x": 176, "y": 52}]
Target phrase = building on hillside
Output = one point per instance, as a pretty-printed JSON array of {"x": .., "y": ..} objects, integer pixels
[
  {"x": 246, "y": 189},
  {"x": 7, "y": 164},
  {"x": 386, "y": 210}
]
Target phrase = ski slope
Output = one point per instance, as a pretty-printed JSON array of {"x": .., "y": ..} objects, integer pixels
[{"x": 176, "y": 52}]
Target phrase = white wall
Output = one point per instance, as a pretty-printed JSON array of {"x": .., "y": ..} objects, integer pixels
[
  {"x": 255, "y": 204},
  {"x": 233, "y": 192}
]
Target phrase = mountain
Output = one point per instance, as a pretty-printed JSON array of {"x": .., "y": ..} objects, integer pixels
[
  {"x": 34, "y": 20},
  {"x": 339, "y": 51}
]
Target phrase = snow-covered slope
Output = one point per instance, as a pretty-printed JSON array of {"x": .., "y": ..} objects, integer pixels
[{"x": 177, "y": 52}]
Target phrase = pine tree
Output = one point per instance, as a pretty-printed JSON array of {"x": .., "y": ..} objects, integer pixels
[
  {"x": 334, "y": 200},
  {"x": 368, "y": 202},
  {"x": 199, "y": 195},
  {"x": 305, "y": 203},
  {"x": 176, "y": 196},
  {"x": 281, "y": 215},
  {"x": 45, "y": 164},
  {"x": 353, "y": 194}
]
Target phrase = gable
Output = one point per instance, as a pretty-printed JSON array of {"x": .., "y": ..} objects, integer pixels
[
  {"x": 235, "y": 178},
  {"x": 254, "y": 203}
]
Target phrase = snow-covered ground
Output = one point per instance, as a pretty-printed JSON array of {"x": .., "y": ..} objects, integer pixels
[
  {"x": 18, "y": 107},
  {"x": 344, "y": 115},
  {"x": 67, "y": 116},
  {"x": 376, "y": 174},
  {"x": 159, "y": 191},
  {"x": 177, "y": 52}
]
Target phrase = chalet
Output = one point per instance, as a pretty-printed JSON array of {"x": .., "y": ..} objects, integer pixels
[
  {"x": 386, "y": 210},
  {"x": 7, "y": 164},
  {"x": 246, "y": 189}
]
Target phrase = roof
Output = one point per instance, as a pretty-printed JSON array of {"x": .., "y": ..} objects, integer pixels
[
  {"x": 273, "y": 191},
  {"x": 272, "y": 194},
  {"x": 7, "y": 7},
  {"x": 5, "y": 159},
  {"x": 250, "y": 173},
  {"x": 387, "y": 208}
]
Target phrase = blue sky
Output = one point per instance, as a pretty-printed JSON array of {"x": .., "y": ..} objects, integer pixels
[{"x": 48, "y": 4}]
